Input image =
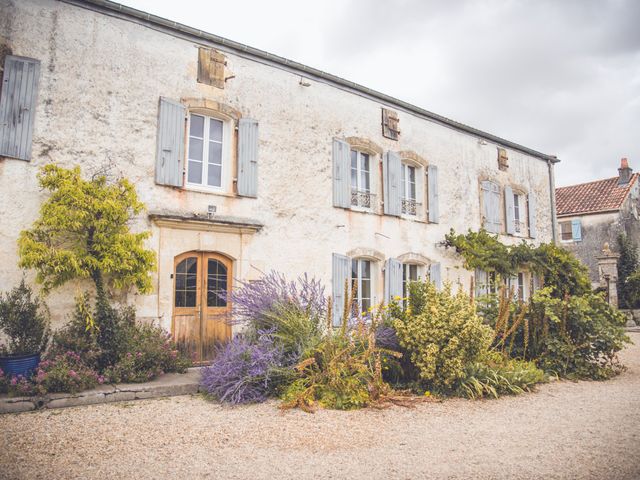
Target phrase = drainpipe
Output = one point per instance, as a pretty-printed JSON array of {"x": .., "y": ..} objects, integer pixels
[{"x": 552, "y": 197}]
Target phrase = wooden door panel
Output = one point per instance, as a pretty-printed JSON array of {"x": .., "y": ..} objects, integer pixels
[
  {"x": 201, "y": 306},
  {"x": 186, "y": 333}
]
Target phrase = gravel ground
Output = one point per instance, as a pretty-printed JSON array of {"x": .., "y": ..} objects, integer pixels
[{"x": 583, "y": 430}]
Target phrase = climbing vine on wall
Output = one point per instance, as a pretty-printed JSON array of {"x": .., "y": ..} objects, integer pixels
[{"x": 557, "y": 267}]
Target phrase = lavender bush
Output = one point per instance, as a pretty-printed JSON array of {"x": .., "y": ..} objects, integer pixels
[
  {"x": 254, "y": 299},
  {"x": 245, "y": 370}
]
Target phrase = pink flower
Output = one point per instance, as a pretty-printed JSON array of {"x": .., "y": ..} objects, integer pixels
[
  {"x": 100, "y": 379},
  {"x": 72, "y": 373},
  {"x": 14, "y": 381}
]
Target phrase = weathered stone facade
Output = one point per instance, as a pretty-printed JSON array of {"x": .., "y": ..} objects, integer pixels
[{"x": 103, "y": 72}]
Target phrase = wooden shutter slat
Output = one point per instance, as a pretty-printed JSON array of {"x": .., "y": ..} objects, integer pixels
[
  {"x": 392, "y": 171},
  {"x": 434, "y": 207},
  {"x": 435, "y": 275},
  {"x": 18, "y": 106},
  {"x": 341, "y": 266},
  {"x": 248, "y": 142},
  {"x": 531, "y": 201},
  {"x": 392, "y": 280},
  {"x": 170, "y": 148},
  {"x": 341, "y": 155},
  {"x": 509, "y": 210}
]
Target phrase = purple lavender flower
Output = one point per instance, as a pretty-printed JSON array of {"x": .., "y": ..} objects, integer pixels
[
  {"x": 253, "y": 299},
  {"x": 242, "y": 370}
]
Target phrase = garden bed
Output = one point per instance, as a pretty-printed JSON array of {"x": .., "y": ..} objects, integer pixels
[{"x": 167, "y": 385}]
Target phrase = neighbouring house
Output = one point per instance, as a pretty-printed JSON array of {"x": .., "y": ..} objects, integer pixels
[
  {"x": 247, "y": 162},
  {"x": 594, "y": 213}
]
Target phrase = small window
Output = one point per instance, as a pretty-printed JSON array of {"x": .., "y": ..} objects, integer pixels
[
  {"x": 361, "y": 195},
  {"x": 408, "y": 182},
  {"x": 409, "y": 274},
  {"x": 361, "y": 279},
  {"x": 517, "y": 284},
  {"x": 519, "y": 213},
  {"x": 205, "y": 152},
  {"x": 566, "y": 232}
]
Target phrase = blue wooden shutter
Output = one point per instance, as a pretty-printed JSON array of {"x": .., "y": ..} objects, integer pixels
[
  {"x": 433, "y": 199},
  {"x": 341, "y": 272},
  {"x": 509, "y": 210},
  {"x": 392, "y": 280},
  {"x": 18, "y": 106},
  {"x": 531, "y": 201},
  {"x": 392, "y": 171},
  {"x": 486, "y": 203},
  {"x": 491, "y": 206},
  {"x": 248, "y": 157},
  {"x": 341, "y": 154},
  {"x": 576, "y": 229},
  {"x": 170, "y": 150},
  {"x": 435, "y": 275}
]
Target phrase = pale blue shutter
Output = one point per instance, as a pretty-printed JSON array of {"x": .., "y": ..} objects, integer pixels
[
  {"x": 248, "y": 157},
  {"x": 170, "y": 150},
  {"x": 392, "y": 280},
  {"x": 341, "y": 154},
  {"x": 18, "y": 106},
  {"x": 341, "y": 272},
  {"x": 482, "y": 282},
  {"x": 485, "y": 188},
  {"x": 434, "y": 207},
  {"x": 392, "y": 171},
  {"x": 435, "y": 275},
  {"x": 576, "y": 229},
  {"x": 509, "y": 210},
  {"x": 491, "y": 206},
  {"x": 531, "y": 201}
]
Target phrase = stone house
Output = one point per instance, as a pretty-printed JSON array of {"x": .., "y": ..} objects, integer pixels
[
  {"x": 247, "y": 162},
  {"x": 594, "y": 213}
]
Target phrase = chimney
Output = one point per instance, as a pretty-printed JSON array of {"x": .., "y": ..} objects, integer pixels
[{"x": 624, "y": 172}]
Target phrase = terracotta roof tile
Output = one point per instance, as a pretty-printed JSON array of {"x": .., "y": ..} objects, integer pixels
[{"x": 599, "y": 196}]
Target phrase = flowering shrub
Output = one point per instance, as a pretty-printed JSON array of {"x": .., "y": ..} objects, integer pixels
[
  {"x": 244, "y": 370},
  {"x": 146, "y": 352},
  {"x": 255, "y": 299},
  {"x": 64, "y": 373},
  {"x": 442, "y": 334}
]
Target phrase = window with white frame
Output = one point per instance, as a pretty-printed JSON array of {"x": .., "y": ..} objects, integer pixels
[
  {"x": 361, "y": 195},
  {"x": 361, "y": 280},
  {"x": 205, "y": 154},
  {"x": 486, "y": 283},
  {"x": 519, "y": 213},
  {"x": 517, "y": 285},
  {"x": 408, "y": 182},
  {"x": 410, "y": 273}
]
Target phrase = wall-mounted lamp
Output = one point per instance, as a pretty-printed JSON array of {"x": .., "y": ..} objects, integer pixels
[
  {"x": 303, "y": 82},
  {"x": 481, "y": 142}
]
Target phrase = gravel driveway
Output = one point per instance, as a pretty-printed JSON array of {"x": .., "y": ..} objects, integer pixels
[{"x": 577, "y": 430}]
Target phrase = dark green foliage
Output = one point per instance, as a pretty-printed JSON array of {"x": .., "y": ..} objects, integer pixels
[
  {"x": 558, "y": 268},
  {"x": 628, "y": 273},
  {"x": 24, "y": 320},
  {"x": 497, "y": 375}
]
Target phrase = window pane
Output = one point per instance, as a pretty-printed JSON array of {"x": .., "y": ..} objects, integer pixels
[
  {"x": 195, "y": 172},
  {"x": 412, "y": 174},
  {"x": 366, "y": 268},
  {"x": 216, "y": 284},
  {"x": 214, "y": 175},
  {"x": 354, "y": 159},
  {"x": 195, "y": 148},
  {"x": 403, "y": 180},
  {"x": 215, "y": 153},
  {"x": 180, "y": 299},
  {"x": 354, "y": 269},
  {"x": 196, "y": 126},
  {"x": 413, "y": 272},
  {"x": 215, "y": 130},
  {"x": 190, "y": 300},
  {"x": 364, "y": 162},
  {"x": 364, "y": 181},
  {"x": 191, "y": 283}
]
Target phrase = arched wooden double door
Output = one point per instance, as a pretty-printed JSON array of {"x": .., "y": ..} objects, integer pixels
[{"x": 201, "y": 304}]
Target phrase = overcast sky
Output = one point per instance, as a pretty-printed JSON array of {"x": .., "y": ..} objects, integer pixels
[{"x": 561, "y": 77}]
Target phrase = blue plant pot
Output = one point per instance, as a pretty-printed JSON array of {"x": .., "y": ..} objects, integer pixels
[{"x": 20, "y": 364}]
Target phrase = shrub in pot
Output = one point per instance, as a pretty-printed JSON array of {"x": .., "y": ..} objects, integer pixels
[{"x": 24, "y": 322}]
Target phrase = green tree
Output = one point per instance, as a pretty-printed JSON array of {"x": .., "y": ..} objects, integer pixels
[
  {"x": 628, "y": 272},
  {"x": 83, "y": 233}
]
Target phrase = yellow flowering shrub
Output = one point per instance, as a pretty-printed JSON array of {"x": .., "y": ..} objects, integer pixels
[{"x": 442, "y": 333}]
